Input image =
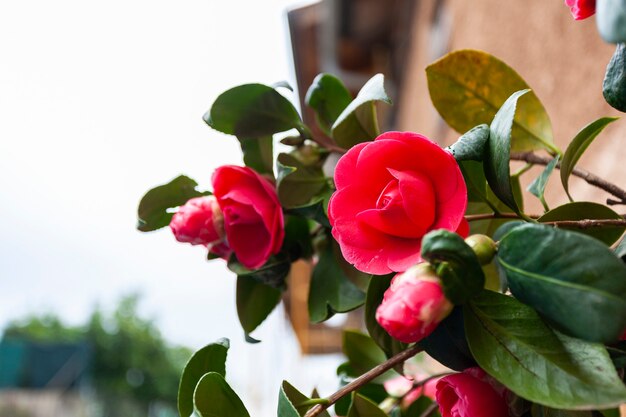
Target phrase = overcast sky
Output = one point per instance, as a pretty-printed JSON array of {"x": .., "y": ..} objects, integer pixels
[{"x": 100, "y": 101}]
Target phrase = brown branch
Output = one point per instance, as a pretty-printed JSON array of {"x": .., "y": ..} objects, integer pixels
[
  {"x": 591, "y": 179},
  {"x": 364, "y": 379},
  {"x": 579, "y": 224}
]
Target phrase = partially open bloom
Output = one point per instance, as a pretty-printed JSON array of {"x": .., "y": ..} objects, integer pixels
[
  {"x": 390, "y": 193},
  {"x": 469, "y": 394},
  {"x": 581, "y": 9},
  {"x": 199, "y": 222},
  {"x": 253, "y": 217},
  {"x": 413, "y": 305}
]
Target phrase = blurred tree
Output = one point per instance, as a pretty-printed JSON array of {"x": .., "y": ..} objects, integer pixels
[{"x": 133, "y": 367}]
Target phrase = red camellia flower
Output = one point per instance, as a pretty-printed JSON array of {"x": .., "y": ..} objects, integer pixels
[
  {"x": 253, "y": 218},
  {"x": 469, "y": 394},
  {"x": 581, "y": 9},
  {"x": 199, "y": 222},
  {"x": 413, "y": 305},
  {"x": 390, "y": 193}
]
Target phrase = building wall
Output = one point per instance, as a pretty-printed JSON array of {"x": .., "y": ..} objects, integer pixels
[{"x": 561, "y": 59}]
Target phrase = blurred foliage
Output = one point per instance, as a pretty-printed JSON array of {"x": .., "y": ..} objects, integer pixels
[{"x": 133, "y": 367}]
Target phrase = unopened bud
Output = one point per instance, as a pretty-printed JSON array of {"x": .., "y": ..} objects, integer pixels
[{"x": 483, "y": 246}]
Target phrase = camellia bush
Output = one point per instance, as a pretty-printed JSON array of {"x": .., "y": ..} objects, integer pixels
[{"x": 525, "y": 310}]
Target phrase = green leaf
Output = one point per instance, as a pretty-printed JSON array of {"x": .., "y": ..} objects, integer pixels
[
  {"x": 571, "y": 279},
  {"x": 468, "y": 87},
  {"x": 456, "y": 264},
  {"x": 362, "y": 407},
  {"x": 447, "y": 343},
  {"x": 298, "y": 184},
  {"x": 211, "y": 358},
  {"x": 255, "y": 301},
  {"x": 292, "y": 403},
  {"x": 512, "y": 343},
  {"x": 258, "y": 154},
  {"x": 578, "y": 146},
  {"x": 357, "y": 122},
  {"x": 297, "y": 243},
  {"x": 614, "y": 84},
  {"x": 316, "y": 210},
  {"x": 152, "y": 213},
  {"x": 272, "y": 273},
  {"x": 582, "y": 210},
  {"x": 538, "y": 186},
  {"x": 362, "y": 352},
  {"x": 541, "y": 411},
  {"x": 213, "y": 397},
  {"x": 375, "y": 291},
  {"x": 496, "y": 165},
  {"x": 252, "y": 111},
  {"x": 611, "y": 20},
  {"x": 471, "y": 146},
  {"x": 328, "y": 97},
  {"x": 331, "y": 290}
]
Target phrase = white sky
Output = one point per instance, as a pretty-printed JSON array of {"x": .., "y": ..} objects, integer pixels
[{"x": 100, "y": 101}]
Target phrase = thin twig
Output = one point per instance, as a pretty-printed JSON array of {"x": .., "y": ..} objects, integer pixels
[
  {"x": 579, "y": 224},
  {"x": 364, "y": 379},
  {"x": 591, "y": 179}
]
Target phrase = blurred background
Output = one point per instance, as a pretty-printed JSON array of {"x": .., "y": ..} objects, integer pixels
[{"x": 101, "y": 101}]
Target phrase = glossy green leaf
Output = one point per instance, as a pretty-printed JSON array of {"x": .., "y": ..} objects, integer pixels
[
  {"x": 363, "y": 407},
  {"x": 153, "y": 214},
  {"x": 328, "y": 97},
  {"x": 255, "y": 301},
  {"x": 292, "y": 403},
  {"x": 496, "y": 165},
  {"x": 514, "y": 345},
  {"x": 456, "y": 264},
  {"x": 468, "y": 87},
  {"x": 614, "y": 84},
  {"x": 213, "y": 397},
  {"x": 577, "y": 147},
  {"x": 362, "y": 352},
  {"x": 211, "y": 358},
  {"x": 258, "y": 154},
  {"x": 357, "y": 122},
  {"x": 316, "y": 209},
  {"x": 331, "y": 290},
  {"x": 611, "y": 20},
  {"x": 471, "y": 146},
  {"x": 297, "y": 243},
  {"x": 447, "y": 343},
  {"x": 581, "y": 210},
  {"x": 273, "y": 273},
  {"x": 571, "y": 279},
  {"x": 541, "y": 411},
  {"x": 375, "y": 291},
  {"x": 252, "y": 111},
  {"x": 297, "y": 183},
  {"x": 475, "y": 180},
  {"x": 538, "y": 186}
]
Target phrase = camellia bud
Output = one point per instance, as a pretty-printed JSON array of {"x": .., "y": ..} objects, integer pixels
[
  {"x": 483, "y": 246},
  {"x": 413, "y": 305},
  {"x": 199, "y": 222}
]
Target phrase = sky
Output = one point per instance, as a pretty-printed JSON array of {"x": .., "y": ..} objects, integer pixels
[{"x": 99, "y": 102}]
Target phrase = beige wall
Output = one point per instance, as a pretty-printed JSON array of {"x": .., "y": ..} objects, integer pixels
[{"x": 561, "y": 59}]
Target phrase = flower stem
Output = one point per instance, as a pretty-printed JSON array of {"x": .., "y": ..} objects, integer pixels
[
  {"x": 581, "y": 173},
  {"x": 364, "y": 379}
]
